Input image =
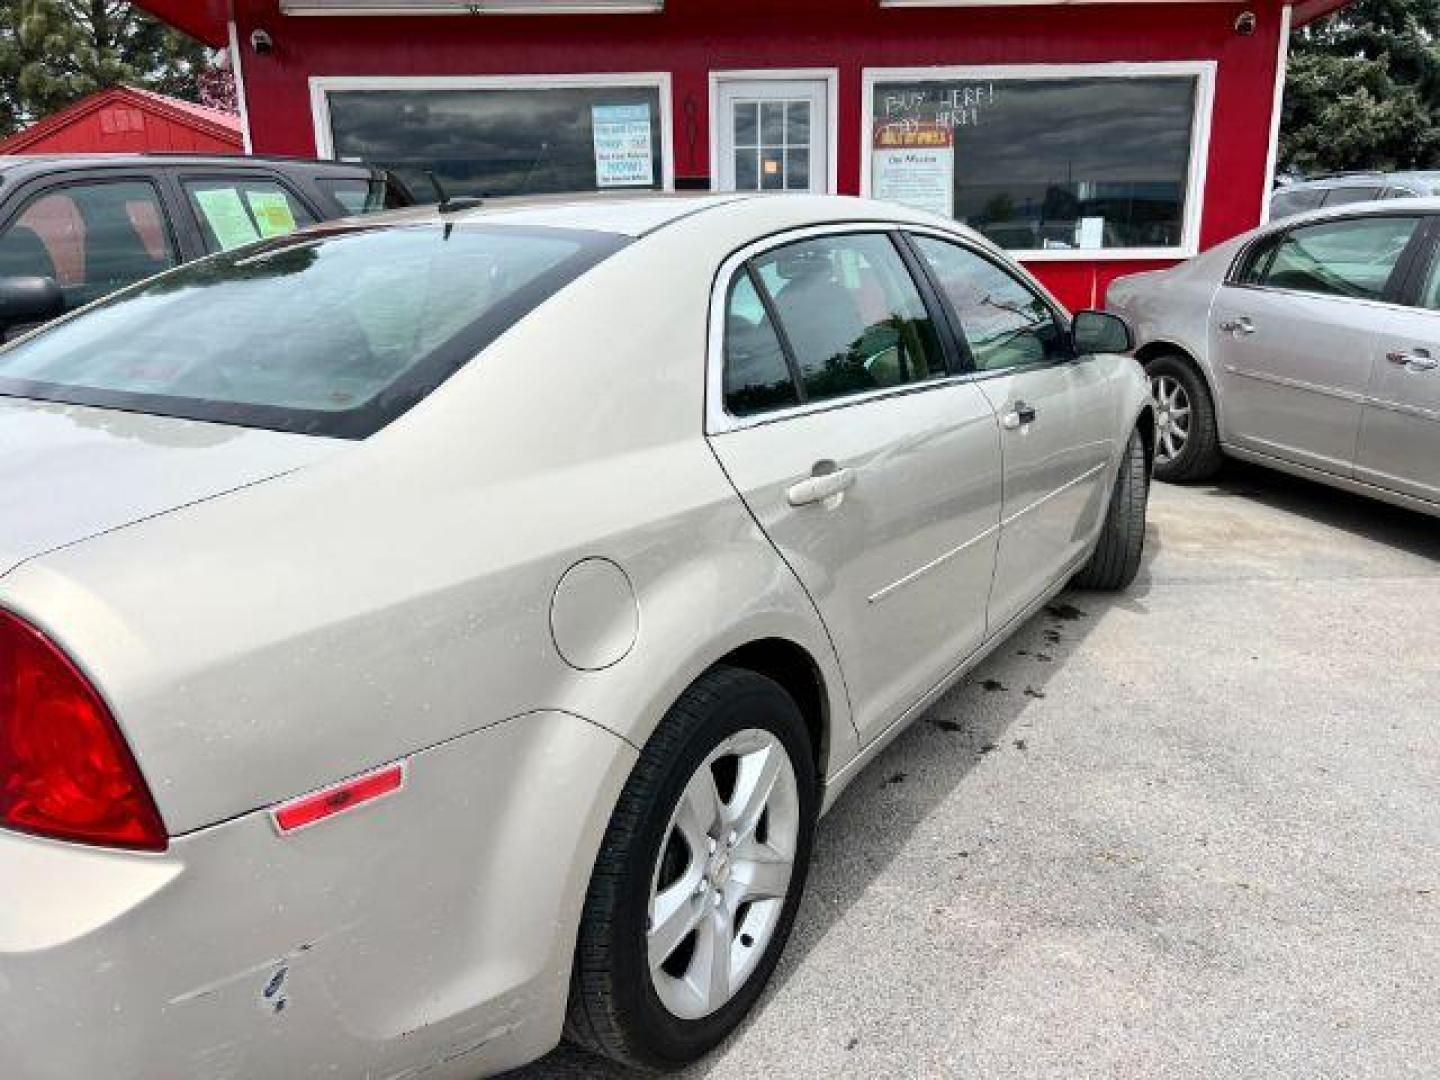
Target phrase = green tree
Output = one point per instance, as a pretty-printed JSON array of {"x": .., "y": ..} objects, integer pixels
[
  {"x": 1364, "y": 90},
  {"x": 53, "y": 52}
]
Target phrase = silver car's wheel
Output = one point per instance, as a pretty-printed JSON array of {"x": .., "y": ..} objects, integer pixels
[
  {"x": 1172, "y": 417},
  {"x": 723, "y": 874}
]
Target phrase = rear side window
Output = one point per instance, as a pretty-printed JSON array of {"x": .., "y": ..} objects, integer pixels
[
  {"x": 851, "y": 314},
  {"x": 92, "y": 238},
  {"x": 331, "y": 334},
  {"x": 1353, "y": 258},
  {"x": 365, "y": 196},
  {"x": 757, "y": 376},
  {"x": 1289, "y": 203},
  {"x": 234, "y": 213}
]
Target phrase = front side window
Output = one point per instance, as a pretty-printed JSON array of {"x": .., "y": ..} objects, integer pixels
[
  {"x": 1354, "y": 258},
  {"x": 1040, "y": 163},
  {"x": 505, "y": 140},
  {"x": 333, "y": 334},
  {"x": 90, "y": 238},
  {"x": 366, "y": 196},
  {"x": 851, "y": 315},
  {"x": 236, "y": 212},
  {"x": 1005, "y": 324}
]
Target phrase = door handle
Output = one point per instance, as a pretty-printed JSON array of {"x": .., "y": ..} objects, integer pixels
[
  {"x": 822, "y": 487},
  {"x": 1022, "y": 415},
  {"x": 1415, "y": 360},
  {"x": 1241, "y": 327}
]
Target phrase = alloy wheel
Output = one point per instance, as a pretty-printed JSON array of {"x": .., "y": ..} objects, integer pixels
[
  {"x": 1172, "y": 417},
  {"x": 723, "y": 874}
]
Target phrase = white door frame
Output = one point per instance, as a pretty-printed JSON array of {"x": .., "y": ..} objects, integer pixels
[{"x": 829, "y": 76}]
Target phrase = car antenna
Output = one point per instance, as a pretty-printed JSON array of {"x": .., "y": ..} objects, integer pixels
[{"x": 446, "y": 202}]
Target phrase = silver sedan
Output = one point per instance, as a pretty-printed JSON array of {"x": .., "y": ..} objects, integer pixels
[
  {"x": 1312, "y": 346},
  {"x": 422, "y": 635}
]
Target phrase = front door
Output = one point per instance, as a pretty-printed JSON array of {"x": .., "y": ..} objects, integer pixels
[
  {"x": 1056, "y": 416},
  {"x": 1294, "y": 344},
  {"x": 772, "y": 135},
  {"x": 873, "y": 472}
]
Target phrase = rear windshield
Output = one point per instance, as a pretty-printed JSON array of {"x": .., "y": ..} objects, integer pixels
[{"x": 332, "y": 334}]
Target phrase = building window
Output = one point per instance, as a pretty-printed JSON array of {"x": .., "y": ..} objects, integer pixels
[
  {"x": 504, "y": 136},
  {"x": 1053, "y": 162}
]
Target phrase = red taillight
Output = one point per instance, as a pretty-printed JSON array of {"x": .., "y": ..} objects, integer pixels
[{"x": 65, "y": 771}]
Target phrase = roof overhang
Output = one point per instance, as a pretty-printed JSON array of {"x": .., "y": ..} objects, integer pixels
[{"x": 206, "y": 20}]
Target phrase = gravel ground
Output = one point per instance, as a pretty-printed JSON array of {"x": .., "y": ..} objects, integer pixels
[{"x": 1191, "y": 831}]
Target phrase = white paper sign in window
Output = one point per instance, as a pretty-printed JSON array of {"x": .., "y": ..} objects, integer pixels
[
  {"x": 623, "y": 152},
  {"x": 914, "y": 165}
]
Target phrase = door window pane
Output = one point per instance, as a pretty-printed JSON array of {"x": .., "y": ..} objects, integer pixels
[
  {"x": 91, "y": 238},
  {"x": 1041, "y": 163},
  {"x": 757, "y": 378},
  {"x": 772, "y": 145},
  {"x": 797, "y": 123},
  {"x": 1341, "y": 258},
  {"x": 1344, "y": 196},
  {"x": 505, "y": 141},
  {"x": 851, "y": 314},
  {"x": 797, "y": 169},
  {"x": 1005, "y": 324},
  {"x": 237, "y": 212},
  {"x": 1289, "y": 203}
]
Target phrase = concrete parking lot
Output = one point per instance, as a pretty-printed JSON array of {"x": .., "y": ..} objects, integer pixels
[{"x": 1190, "y": 831}]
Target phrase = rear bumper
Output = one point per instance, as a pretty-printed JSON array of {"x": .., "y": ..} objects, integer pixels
[{"x": 428, "y": 933}]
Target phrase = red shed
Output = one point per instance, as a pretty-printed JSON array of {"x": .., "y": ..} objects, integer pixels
[
  {"x": 127, "y": 120},
  {"x": 1092, "y": 139}
]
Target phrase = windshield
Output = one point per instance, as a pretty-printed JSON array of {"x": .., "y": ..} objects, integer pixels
[{"x": 330, "y": 334}]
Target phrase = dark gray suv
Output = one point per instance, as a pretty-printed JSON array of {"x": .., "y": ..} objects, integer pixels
[{"x": 75, "y": 228}]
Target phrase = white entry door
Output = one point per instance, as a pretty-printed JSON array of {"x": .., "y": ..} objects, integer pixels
[{"x": 772, "y": 134}]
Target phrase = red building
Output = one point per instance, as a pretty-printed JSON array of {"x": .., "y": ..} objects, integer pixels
[
  {"x": 124, "y": 120},
  {"x": 1093, "y": 139}
]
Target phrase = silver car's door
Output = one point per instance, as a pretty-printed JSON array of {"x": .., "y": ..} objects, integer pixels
[
  {"x": 1293, "y": 336},
  {"x": 871, "y": 467},
  {"x": 1057, "y": 419},
  {"x": 1400, "y": 428}
]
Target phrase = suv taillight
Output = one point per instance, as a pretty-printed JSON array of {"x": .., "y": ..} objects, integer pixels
[{"x": 65, "y": 771}]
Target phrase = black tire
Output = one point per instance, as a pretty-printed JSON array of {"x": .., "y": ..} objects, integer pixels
[
  {"x": 1116, "y": 560},
  {"x": 1200, "y": 458},
  {"x": 614, "y": 1009}
]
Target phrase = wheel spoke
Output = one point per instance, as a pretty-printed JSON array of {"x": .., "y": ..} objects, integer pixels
[
  {"x": 761, "y": 873},
  {"x": 675, "y": 913},
  {"x": 701, "y": 812},
  {"x": 711, "y": 966},
  {"x": 754, "y": 783},
  {"x": 1167, "y": 445}
]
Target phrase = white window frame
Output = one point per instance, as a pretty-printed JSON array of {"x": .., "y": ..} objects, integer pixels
[
  {"x": 322, "y": 86},
  {"x": 829, "y": 76},
  {"x": 1203, "y": 71}
]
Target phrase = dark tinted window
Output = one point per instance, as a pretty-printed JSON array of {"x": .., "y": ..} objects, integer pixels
[
  {"x": 236, "y": 212},
  {"x": 852, "y": 315},
  {"x": 335, "y": 334},
  {"x": 1352, "y": 258},
  {"x": 1005, "y": 323},
  {"x": 1344, "y": 196},
  {"x": 757, "y": 378},
  {"x": 1073, "y": 163},
  {"x": 505, "y": 141},
  {"x": 1285, "y": 204},
  {"x": 91, "y": 238},
  {"x": 362, "y": 196}
]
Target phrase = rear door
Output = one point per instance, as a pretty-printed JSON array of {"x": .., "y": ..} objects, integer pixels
[
  {"x": 1293, "y": 336},
  {"x": 1400, "y": 426},
  {"x": 1056, "y": 413},
  {"x": 873, "y": 468}
]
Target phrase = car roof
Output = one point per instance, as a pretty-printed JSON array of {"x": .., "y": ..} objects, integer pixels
[
  {"x": 1426, "y": 204},
  {"x": 632, "y": 215},
  {"x": 1358, "y": 178},
  {"x": 28, "y": 164}
]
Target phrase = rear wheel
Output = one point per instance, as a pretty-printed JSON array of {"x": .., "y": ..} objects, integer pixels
[
  {"x": 1116, "y": 560},
  {"x": 1187, "y": 438},
  {"x": 699, "y": 876}
]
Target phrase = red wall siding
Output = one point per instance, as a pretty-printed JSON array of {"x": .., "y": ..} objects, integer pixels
[
  {"x": 693, "y": 37},
  {"x": 124, "y": 129}
]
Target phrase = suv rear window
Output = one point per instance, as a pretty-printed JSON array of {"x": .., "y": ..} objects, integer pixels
[
  {"x": 362, "y": 196},
  {"x": 332, "y": 334}
]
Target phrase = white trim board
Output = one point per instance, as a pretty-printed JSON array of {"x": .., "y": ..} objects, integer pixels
[
  {"x": 321, "y": 86},
  {"x": 1282, "y": 66},
  {"x": 1203, "y": 71},
  {"x": 238, "y": 73},
  {"x": 831, "y": 78}
]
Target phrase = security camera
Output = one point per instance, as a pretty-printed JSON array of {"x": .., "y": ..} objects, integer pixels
[
  {"x": 262, "y": 42},
  {"x": 1245, "y": 24}
]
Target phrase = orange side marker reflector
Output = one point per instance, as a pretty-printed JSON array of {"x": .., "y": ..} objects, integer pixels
[{"x": 347, "y": 795}]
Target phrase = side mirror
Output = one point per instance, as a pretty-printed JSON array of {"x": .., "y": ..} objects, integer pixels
[
  {"x": 1100, "y": 332},
  {"x": 28, "y": 301}
]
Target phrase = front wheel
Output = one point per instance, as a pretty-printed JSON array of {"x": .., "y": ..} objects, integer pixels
[
  {"x": 699, "y": 876},
  {"x": 1116, "y": 560}
]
